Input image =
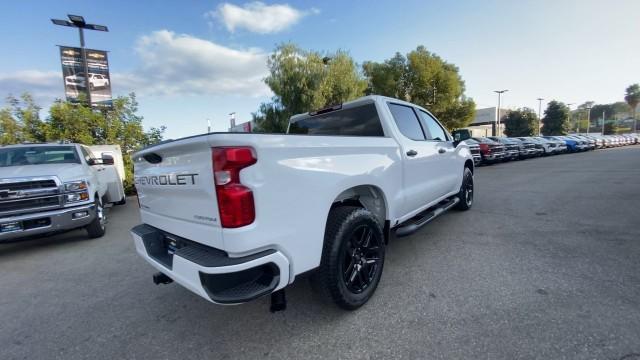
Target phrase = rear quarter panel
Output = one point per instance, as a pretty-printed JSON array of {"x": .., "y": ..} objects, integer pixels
[{"x": 295, "y": 181}]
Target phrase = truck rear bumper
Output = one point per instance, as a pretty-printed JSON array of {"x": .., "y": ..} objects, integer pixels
[
  {"x": 48, "y": 221},
  {"x": 210, "y": 272}
]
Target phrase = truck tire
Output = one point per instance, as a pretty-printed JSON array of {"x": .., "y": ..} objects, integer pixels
[
  {"x": 121, "y": 202},
  {"x": 466, "y": 191},
  {"x": 97, "y": 227},
  {"x": 352, "y": 257}
]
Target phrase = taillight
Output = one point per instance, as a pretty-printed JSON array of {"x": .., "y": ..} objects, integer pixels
[{"x": 235, "y": 201}]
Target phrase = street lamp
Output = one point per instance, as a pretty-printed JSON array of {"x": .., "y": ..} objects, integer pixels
[
  {"x": 539, "y": 115},
  {"x": 77, "y": 21},
  {"x": 499, "y": 92},
  {"x": 569, "y": 106},
  {"x": 588, "y": 119}
]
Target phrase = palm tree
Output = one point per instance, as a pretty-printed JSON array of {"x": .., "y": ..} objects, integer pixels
[{"x": 632, "y": 98}]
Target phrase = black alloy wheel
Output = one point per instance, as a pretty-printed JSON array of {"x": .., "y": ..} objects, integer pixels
[
  {"x": 352, "y": 257},
  {"x": 466, "y": 191},
  {"x": 361, "y": 259}
]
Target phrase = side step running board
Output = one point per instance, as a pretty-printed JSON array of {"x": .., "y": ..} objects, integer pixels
[{"x": 424, "y": 218}]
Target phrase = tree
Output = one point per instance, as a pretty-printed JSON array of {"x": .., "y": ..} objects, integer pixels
[
  {"x": 306, "y": 80},
  {"x": 387, "y": 78},
  {"x": 10, "y": 130},
  {"x": 580, "y": 116},
  {"x": 294, "y": 77},
  {"x": 340, "y": 81},
  {"x": 556, "y": 119},
  {"x": 632, "y": 97},
  {"x": 27, "y": 114},
  {"x": 521, "y": 122},
  {"x": 610, "y": 128},
  {"x": 426, "y": 80},
  {"x": 74, "y": 122},
  {"x": 270, "y": 118}
]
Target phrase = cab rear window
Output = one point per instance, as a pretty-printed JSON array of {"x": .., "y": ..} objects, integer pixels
[{"x": 362, "y": 120}]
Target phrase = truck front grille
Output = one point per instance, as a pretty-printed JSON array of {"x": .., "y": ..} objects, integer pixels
[
  {"x": 24, "y": 185},
  {"x": 30, "y": 204},
  {"x": 28, "y": 195}
]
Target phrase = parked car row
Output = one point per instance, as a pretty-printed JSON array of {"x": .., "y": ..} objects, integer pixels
[{"x": 487, "y": 150}]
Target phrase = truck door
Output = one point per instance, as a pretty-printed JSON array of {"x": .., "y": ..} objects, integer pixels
[
  {"x": 424, "y": 177},
  {"x": 448, "y": 161},
  {"x": 96, "y": 171}
]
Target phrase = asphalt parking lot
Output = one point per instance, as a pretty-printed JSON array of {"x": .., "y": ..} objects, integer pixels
[{"x": 546, "y": 265}]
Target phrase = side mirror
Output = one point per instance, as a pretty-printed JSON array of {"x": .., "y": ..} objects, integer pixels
[
  {"x": 107, "y": 159},
  {"x": 460, "y": 136}
]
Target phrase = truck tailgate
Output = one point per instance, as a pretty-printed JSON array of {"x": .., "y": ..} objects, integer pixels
[{"x": 176, "y": 190}]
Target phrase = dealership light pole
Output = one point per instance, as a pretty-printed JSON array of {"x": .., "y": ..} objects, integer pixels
[
  {"x": 539, "y": 115},
  {"x": 77, "y": 21},
  {"x": 499, "y": 92},
  {"x": 588, "y": 119},
  {"x": 569, "y": 106},
  {"x": 232, "y": 119}
]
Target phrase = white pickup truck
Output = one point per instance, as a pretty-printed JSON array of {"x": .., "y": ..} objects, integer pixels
[
  {"x": 233, "y": 216},
  {"x": 46, "y": 188}
]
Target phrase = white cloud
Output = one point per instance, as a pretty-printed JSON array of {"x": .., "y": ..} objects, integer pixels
[
  {"x": 258, "y": 17},
  {"x": 170, "y": 64},
  {"x": 45, "y": 86},
  {"x": 183, "y": 64}
]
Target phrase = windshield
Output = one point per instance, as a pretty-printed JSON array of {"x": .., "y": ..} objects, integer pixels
[{"x": 35, "y": 155}]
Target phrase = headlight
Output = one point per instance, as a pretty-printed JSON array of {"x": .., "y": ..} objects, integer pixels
[
  {"x": 75, "y": 186},
  {"x": 76, "y": 191},
  {"x": 77, "y": 196}
]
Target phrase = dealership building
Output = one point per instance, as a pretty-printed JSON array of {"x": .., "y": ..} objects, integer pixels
[
  {"x": 243, "y": 127},
  {"x": 484, "y": 123}
]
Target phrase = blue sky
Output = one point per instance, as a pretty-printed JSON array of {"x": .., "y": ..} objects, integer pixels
[{"x": 193, "y": 60}]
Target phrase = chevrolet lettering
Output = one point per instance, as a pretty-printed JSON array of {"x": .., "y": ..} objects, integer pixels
[{"x": 181, "y": 179}]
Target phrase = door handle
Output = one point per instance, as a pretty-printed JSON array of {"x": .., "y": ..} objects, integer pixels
[
  {"x": 442, "y": 150},
  {"x": 412, "y": 153}
]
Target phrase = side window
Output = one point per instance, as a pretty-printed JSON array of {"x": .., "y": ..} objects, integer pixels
[
  {"x": 436, "y": 132},
  {"x": 407, "y": 121}
]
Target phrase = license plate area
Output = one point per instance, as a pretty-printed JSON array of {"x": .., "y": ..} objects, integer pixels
[
  {"x": 160, "y": 246},
  {"x": 11, "y": 227},
  {"x": 171, "y": 244}
]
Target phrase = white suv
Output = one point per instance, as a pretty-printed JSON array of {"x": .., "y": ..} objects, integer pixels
[{"x": 95, "y": 81}]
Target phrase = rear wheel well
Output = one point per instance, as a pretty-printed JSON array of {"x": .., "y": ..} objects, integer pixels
[
  {"x": 368, "y": 197},
  {"x": 469, "y": 164}
]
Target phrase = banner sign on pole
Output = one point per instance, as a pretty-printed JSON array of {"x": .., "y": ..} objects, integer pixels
[{"x": 76, "y": 81}]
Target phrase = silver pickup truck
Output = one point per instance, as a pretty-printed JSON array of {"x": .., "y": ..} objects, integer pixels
[{"x": 47, "y": 188}]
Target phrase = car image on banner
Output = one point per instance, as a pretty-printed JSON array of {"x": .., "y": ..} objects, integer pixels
[{"x": 75, "y": 79}]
